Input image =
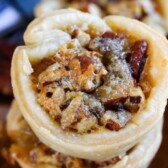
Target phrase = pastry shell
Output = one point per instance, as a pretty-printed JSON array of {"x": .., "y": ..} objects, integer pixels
[{"x": 98, "y": 145}]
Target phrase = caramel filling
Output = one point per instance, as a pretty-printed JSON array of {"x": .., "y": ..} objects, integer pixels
[{"x": 92, "y": 82}]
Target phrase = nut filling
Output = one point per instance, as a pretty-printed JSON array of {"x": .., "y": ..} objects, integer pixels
[{"x": 92, "y": 82}]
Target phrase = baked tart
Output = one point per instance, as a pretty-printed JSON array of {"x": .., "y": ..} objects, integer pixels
[
  {"x": 98, "y": 93},
  {"x": 30, "y": 152},
  {"x": 92, "y": 7},
  {"x": 151, "y": 12}
]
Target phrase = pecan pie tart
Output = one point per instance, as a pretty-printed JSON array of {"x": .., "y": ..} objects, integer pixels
[
  {"x": 30, "y": 152},
  {"x": 98, "y": 90},
  {"x": 151, "y": 12}
]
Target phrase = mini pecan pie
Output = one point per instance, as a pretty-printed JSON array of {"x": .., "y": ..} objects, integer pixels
[
  {"x": 84, "y": 81},
  {"x": 30, "y": 152},
  {"x": 151, "y": 12},
  {"x": 94, "y": 7}
]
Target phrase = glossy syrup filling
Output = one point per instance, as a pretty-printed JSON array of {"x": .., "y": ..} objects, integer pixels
[{"x": 92, "y": 82}]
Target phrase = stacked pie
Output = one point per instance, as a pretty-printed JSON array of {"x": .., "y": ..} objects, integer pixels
[
  {"x": 89, "y": 92},
  {"x": 30, "y": 152},
  {"x": 151, "y": 12}
]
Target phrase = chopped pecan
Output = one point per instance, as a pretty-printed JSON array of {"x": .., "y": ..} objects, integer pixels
[
  {"x": 81, "y": 113},
  {"x": 115, "y": 120},
  {"x": 115, "y": 104},
  {"x": 65, "y": 105},
  {"x": 135, "y": 99},
  {"x": 87, "y": 124},
  {"x": 53, "y": 73},
  {"x": 130, "y": 103},
  {"x": 43, "y": 65},
  {"x": 49, "y": 151},
  {"x": 110, "y": 35},
  {"x": 110, "y": 45},
  {"x": 112, "y": 125},
  {"x": 137, "y": 59},
  {"x": 133, "y": 103},
  {"x": 73, "y": 113},
  {"x": 50, "y": 97},
  {"x": 84, "y": 62}
]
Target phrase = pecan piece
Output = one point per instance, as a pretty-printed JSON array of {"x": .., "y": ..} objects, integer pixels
[
  {"x": 112, "y": 125},
  {"x": 132, "y": 104},
  {"x": 43, "y": 65},
  {"x": 109, "y": 34},
  {"x": 113, "y": 36},
  {"x": 135, "y": 99},
  {"x": 138, "y": 58},
  {"x": 84, "y": 62},
  {"x": 115, "y": 104},
  {"x": 65, "y": 105},
  {"x": 114, "y": 121},
  {"x": 49, "y": 151}
]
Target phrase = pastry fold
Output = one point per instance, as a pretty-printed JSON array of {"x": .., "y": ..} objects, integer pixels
[
  {"x": 95, "y": 145},
  {"x": 36, "y": 154}
]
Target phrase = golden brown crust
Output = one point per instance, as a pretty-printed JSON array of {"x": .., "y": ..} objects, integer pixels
[{"x": 90, "y": 146}]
